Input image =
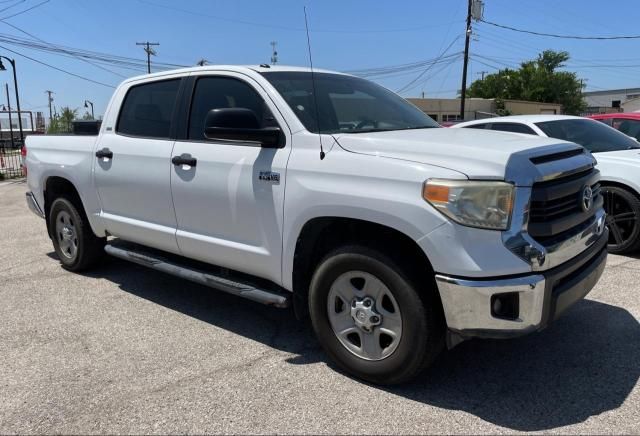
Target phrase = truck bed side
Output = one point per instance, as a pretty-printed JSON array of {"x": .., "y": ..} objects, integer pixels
[{"x": 69, "y": 157}]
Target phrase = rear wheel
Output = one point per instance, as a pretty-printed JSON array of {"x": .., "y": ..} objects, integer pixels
[
  {"x": 623, "y": 219},
  {"x": 73, "y": 240},
  {"x": 370, "y": 317}
]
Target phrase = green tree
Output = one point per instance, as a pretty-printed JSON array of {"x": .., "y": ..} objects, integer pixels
[
  {"x": 67, "y": 116},
  {"x": 54, "y": 125},
  {"x": 535, "y": 80}
]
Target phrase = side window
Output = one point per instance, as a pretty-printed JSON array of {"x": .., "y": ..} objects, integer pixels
[
  {"x": 513, "y": 128},
  {"x": 224, "y": 92},
  {"x": 147, "y": 109}
]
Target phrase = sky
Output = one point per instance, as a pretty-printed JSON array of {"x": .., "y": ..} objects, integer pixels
[{"x": 346, "y": 35}]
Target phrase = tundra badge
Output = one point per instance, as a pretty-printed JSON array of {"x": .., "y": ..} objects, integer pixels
[{"x": 269, "y": 176}]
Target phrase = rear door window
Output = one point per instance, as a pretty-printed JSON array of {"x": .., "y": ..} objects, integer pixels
[{"x": 147, "y": 109}]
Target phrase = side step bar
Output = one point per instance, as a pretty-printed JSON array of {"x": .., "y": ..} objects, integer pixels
[{"x": 243, "y": 290}]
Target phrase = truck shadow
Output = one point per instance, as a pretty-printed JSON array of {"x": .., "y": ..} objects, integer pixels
[{"x": 585, "y": 364}]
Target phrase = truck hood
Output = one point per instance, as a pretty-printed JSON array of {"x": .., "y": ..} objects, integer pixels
[{"x": 478, "y": 154}]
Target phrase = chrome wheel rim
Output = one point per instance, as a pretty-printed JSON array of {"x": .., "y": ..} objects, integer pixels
[
  {"x": 364, "y": 315},
  {"x": 621, "y": 219},
  {"x": 66, "y": 235}
]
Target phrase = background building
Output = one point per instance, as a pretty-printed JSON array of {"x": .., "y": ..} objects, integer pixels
[
  {"x": 609, "y": 101},
  {"x": 632, "y": 105},
  {"x": 448, "y": 109}
]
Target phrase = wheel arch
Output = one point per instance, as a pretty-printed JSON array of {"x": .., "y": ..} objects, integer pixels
[
  {"x": 319, "y": 235},
  {"x": 56, "y": 187},
  {"x": 618, "y": 184}
]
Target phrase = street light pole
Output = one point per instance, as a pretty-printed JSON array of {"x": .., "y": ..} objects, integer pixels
[
  {"x": 6, "y": 87},
  {"x": 91, "y": 103},
  {"x": 15, "y": 84}
]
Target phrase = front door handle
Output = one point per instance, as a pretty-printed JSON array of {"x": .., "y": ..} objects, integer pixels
[
  {"x": 184, "y": 159},
  {"x": 105, "y": 152}
]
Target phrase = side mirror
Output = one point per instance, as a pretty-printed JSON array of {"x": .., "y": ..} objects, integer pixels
[{"x": 240, "y": 124}]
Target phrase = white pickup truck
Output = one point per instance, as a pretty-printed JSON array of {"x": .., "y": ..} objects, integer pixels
[{"x": 396, "y": 239}]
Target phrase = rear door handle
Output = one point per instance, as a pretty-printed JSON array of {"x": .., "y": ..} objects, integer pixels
[
  {"x": 105, "y": 152},
  {"x": 184, "y": 159}
]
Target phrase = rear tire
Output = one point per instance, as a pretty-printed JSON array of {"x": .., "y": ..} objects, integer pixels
[
  {"x": 408, "y": 335},
  {"x": 623, "y": 219},
  {"x": 77, "y": 247}
]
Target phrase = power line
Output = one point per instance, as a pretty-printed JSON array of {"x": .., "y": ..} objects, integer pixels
[
  {"x": 56, "y": 68},
  {"x": 26, "y": 10},
  {"x": 105, "y": 58},
  {"x": 71, "y": 54},
  {"x": 553, "y": 35},
  {"x": 400, "y": 69},
  {"x": 406, "y": 87},
  {"x": 426, "y": 79},
  {"x": 13, "y": 5}
]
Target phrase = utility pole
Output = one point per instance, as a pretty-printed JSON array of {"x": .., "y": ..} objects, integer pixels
[
  {"x": 482, "y": 73},
  {"x": 147, "y": 48},
  {"x": 475, "y": 10},
  {"x": 274, "y": 53},
  {"x": 465, "y": 64},
  {"x": 50, "y": 101}
]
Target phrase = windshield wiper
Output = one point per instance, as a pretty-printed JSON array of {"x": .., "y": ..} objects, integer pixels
[
  {"x": 421, "y": 127},
  {"x": 389, "y": 130},
  {"x": 368, "y": 130}
]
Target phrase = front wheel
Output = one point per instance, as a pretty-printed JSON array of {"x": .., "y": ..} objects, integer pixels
[
  {"x": 73, "y": 240},
  {"x": 623, "y": 219},
  {"x": 371, "y": 319}
]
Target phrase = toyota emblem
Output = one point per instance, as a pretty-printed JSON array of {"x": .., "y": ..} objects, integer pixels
[{"x": 587, "y": 198}]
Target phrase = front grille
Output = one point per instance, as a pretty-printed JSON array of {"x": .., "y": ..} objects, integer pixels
[
  {"x": 558, "y": 208},
  {"x": 556, "y": 205}
]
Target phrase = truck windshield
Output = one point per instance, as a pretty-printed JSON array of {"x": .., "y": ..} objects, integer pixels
[
  {"x": 592, "y": 135},
  {"x": 346, "y": 104}
]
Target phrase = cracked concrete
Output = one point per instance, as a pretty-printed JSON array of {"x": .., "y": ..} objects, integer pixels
[{"x": 126, "y": 350}]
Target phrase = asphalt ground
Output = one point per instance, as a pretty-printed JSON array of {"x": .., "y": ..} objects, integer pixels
[{"x": 126, "y": 350}]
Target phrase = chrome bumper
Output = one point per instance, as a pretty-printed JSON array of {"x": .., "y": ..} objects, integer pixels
[
  {"x": 539, "y": 298},
  {"x": 33, "y": 205},
  {"x": 544, "y": 257}
]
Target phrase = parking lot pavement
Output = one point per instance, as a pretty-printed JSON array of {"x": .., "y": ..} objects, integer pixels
[{"x": 126, "y": 350}]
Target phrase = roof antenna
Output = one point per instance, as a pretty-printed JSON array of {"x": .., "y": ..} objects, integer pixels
[{"x": 313, "y": 84}]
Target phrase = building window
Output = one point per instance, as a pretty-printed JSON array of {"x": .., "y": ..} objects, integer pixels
[
  {"x": 449, "y": 117},
  {"x": 433, "y": 116},
  {"x": 615, "y": 103}
]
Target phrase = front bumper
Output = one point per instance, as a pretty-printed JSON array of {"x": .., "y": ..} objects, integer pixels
[
  {"x": 33, "y": 205},
  {"x": 534, "y": 300}
]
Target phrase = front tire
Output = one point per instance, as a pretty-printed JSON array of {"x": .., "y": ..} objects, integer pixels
[
  {"x": 73, "y": 240},
  {"x": 623, "y": 219},
  {"x": 370, "y": 317}
]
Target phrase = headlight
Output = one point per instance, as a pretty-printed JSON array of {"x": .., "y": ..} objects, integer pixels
[{"x": 472, "y": 203}]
